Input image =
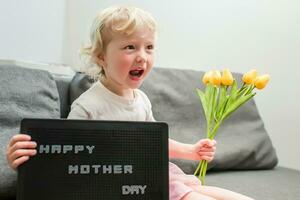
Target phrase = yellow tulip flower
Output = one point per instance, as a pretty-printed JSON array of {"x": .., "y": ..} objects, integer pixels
[
  {"x": 206, "y": 76},
  {"x": 227, "y": 78},
  {"x": 262, "y": 81},
  {"x": 250, "y": 77},
  {"x": 215, "y": 78}
]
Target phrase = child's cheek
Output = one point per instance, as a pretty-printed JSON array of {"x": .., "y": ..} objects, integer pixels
[{"x": 126, "y": 62}]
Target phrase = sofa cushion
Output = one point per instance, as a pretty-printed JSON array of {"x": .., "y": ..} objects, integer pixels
[
  {"x": 63, "y": 84},
  {"x": 79, "y": 84},
  {"x": 243, "y": 142},
  {"x": 277, "y": 184},
  {"x": 24, "y": 93}
]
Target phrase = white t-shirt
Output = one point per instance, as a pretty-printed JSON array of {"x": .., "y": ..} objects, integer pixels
[{"x": 99, "y": 103}]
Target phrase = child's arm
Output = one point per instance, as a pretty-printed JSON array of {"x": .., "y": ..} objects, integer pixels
[
  {"x": 19, "y": 149},
  {"x": 203, "y": 150}
]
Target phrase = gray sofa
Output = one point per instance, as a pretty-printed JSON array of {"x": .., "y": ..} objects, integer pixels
[{"x": 245, "y": 160}]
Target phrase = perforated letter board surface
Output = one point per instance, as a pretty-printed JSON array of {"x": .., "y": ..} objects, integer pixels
[{"x": 90, "y": 159}]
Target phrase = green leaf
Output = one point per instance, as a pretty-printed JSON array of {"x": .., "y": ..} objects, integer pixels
[
  {"x": 208, "y": 89},
  {"x": 250, "y": 89},
  {"x": 210, "y": 99},
  {"x": 234, "y": 89},
  {"x": 212, "y": 104},
  {"x": 221, "y": 102},
  {"x": 246, "y": 90},
  {"x": 215, "y": 102},
  {"x": 224, "y": 106},
  {"x": 232, "y": 96},
  {"x": 242, "y": 91},
  {"x": 236, "y": 104},
  {"x": 203, "y": 101}
]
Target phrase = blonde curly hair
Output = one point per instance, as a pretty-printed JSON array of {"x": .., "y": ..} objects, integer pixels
[{"x": 117, "y": 19}]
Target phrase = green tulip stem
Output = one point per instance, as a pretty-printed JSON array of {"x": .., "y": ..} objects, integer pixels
[{"x": 214, "y": 131}]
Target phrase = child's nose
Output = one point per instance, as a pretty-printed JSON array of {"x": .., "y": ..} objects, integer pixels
[{"x": 141, "y": 57}]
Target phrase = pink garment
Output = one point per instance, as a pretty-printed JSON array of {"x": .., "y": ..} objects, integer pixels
[{"x": 179, "y": 182}]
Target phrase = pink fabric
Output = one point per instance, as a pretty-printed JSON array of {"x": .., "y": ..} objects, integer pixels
[{"x": 179, "y": 182}]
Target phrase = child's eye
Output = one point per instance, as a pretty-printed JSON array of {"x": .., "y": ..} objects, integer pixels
[
  {"x": 129, "y": 47},
  {"x": 150, "y": 47}
]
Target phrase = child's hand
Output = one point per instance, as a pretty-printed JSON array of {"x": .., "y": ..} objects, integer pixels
[
  {"x": 204, "y": 150},
  {"x": 19, "y": 149}
]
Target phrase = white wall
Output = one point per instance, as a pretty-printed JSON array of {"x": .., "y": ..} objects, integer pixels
[
  {"x": 32, "y": 30},
  {"x": 194, "y": 34}
]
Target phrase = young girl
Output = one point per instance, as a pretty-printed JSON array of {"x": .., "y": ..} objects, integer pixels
[{"x": 122, "y": 51}]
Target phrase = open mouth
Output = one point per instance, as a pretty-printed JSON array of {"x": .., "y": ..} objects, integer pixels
[{"x": 136, "y": 72}]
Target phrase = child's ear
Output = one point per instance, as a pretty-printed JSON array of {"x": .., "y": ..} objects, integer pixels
[{"x": 100, "y": 59}]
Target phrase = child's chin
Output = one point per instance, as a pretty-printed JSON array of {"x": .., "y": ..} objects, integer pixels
[{"x": 135, "y": 84}]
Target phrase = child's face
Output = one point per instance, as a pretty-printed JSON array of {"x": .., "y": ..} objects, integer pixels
[{"x": 128, "y": 59}]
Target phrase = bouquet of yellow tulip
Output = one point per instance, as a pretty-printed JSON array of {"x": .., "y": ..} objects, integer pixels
[{"x": 221, "y": 98}]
